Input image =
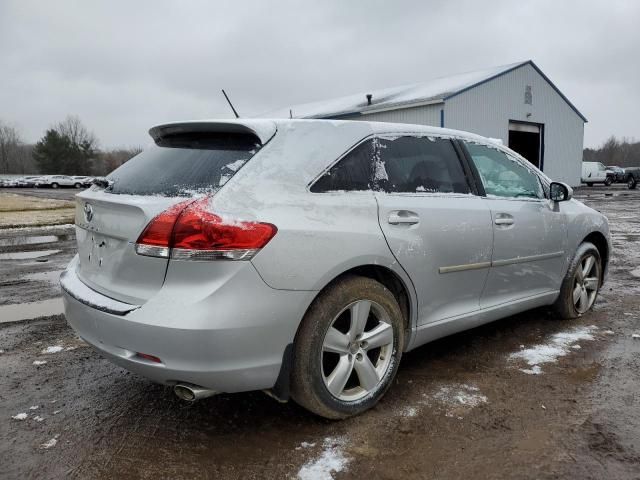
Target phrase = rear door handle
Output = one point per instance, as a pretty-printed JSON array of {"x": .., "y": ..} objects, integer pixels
[
  {"x": 404, "y": 217},
  {"x": 503, "y": 219}
]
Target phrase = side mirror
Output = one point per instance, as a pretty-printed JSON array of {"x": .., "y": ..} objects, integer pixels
[{"x": 560, "y": 192}]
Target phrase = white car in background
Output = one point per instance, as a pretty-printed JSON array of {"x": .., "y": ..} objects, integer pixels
[
  {"x": 56, "y": 181},
  {"x": 595, "y": 172}
]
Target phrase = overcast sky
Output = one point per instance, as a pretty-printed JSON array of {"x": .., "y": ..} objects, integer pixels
[{"x": 123, "y": 66}]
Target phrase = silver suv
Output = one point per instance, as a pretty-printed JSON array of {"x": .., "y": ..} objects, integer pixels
[{"x": 303, "y": 257}]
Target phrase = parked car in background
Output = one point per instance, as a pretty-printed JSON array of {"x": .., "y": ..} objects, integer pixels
[
  {"x": 83, "y": 181},
  {"x": 617, "y": 174},
  {"x": 304, "y": 257},
  {"x": 595, "y": 172},
  {"x": 56, "y": 181},
  {"x": 632, "y": 177}
]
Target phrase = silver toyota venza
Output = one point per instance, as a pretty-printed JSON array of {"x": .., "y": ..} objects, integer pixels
[{"x": 303, "y": 257}]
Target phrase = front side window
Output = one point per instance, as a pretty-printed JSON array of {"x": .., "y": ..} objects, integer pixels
[
  {"x": 404, "y": 164},
  {"x": 503, "y": 176}
]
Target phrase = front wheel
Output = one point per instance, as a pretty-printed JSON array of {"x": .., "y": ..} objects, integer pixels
[
  {"x": 581, "y": 284},
  {"x": 631, "y": 183},
  {"x": 347, "y": 349},
  {"x": 77, "y": 185},
  {"x": 608, "y": 181},
  {"x": 54, "y": 185}
]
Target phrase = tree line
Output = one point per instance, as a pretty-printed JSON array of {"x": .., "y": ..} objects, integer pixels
[
  {"x": 619, "y": 152},
  {"x": 66, "y": 148}
]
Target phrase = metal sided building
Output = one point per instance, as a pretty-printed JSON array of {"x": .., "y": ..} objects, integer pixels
[{"x": 516, "y": 103}]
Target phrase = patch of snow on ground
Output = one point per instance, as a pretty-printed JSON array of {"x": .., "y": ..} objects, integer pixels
[
  {"x": 54, "y": 349},
  {"x": 331, "y": 460},
  {"x": 409, "y": 412},
  {"x": 34, "y": 407},
  {"x": 39, "y": 362},
  {"x": 558, "y": 346},
  {"x": 535, "y": 370},
  {"x": 20, "y": 416},
  {"x": 635, "y": 272},
  {"x": 50, "y": 443},
  {"x": 38, "y": 418},
  {"x": 464, "y": 395},
  {"x": 635, "y": 335}
]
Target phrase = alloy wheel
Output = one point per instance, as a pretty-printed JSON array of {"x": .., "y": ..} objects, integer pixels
[
  {"x": 357, "y": 350},
  {"x": 586, "y": 283}
]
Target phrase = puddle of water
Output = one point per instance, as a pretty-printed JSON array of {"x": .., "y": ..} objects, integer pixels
[
  {"x": 31, "y": 240},
  {"x": 27, "y": 255},
  {"x": 25, "y": 311},
  {"x": 52, "y": 276}
]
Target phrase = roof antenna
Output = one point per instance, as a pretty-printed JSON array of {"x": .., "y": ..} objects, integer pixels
[
  {"x": 230, "y": 104},
  {"x": 290, "y": 113},
  {"x": 369, "y": 97}
]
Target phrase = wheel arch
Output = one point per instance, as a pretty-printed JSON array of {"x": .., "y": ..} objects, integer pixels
[
  {"x": 401, "y": 289},
  {"x": 601, "y": 243}
]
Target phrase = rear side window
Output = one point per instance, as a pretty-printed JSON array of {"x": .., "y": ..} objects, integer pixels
[
  {"x": 421, "y": 164},
  {"x": 394, "y": 165},
  {"x": 184, "y": 164},
  {"x": 353, "y": 173}
]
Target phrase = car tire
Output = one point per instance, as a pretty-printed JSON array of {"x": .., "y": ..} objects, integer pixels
[
  {"x": 608, "y": 181},
  {"x": 581, "y": 284},
  {"x": 631, "y": 183},
  {"x": 77, "y": 185},
  {"x": 329, "y": 351},
  {"x": 54, "y": 185},
  {"x": 589, "y": 184}
]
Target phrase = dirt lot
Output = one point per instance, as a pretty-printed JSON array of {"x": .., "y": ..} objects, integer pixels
[
  {"x": 469, "y": 406},
  {"x": 35, "y": 207}
]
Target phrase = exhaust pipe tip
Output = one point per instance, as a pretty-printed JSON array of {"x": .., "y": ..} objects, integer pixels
[{"x": 191, "y": 393}]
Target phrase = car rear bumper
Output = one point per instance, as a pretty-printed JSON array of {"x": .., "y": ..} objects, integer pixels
[{"x": 228, "y": 335}]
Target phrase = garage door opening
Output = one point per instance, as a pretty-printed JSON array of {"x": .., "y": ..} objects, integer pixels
[{"x": 528, "y": 140}]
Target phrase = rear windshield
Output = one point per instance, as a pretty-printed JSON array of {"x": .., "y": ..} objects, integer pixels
[{"x": 184, "y": 164}]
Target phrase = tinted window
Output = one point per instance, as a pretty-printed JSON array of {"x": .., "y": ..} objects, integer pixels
[
  {"x": 353, "y": 172},
  {"x": 420, "y": 164},
  {"x": 181, "y": 165},
  {"x": 503, "y": 176}
]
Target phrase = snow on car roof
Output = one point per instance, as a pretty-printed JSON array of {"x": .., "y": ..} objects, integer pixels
[{"x": 432, "y": 91}]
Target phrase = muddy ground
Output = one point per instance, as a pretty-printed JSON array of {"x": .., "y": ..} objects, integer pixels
[{"x": 461, "y": 407}]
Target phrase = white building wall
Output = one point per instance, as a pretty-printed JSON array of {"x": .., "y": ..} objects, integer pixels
[
  {"x": 487, "y": 109},
  {"x": 425, "y": 115}
]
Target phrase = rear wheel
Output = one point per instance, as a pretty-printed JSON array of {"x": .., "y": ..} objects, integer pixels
[
  {"x": 631, "y": 183},
  {"x": 581, "y": 283},
  {"x": 347, "y": 349},
  {"x": 54, "y": 185}
]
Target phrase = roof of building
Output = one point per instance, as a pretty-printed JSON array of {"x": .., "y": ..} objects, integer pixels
[{"x": 433, "y": 91}]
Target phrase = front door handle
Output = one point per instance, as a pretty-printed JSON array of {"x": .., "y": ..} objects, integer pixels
[
  {"x": 404, "y": 217},
  {"x": 503, "y": 219}
]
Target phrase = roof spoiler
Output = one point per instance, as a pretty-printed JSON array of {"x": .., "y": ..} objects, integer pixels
[{"x": 263, "y": 129}]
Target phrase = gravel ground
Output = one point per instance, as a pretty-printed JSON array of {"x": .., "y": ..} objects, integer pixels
[{"x": 481, "y": 404}]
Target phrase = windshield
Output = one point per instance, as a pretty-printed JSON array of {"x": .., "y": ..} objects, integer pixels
[{"x": 184, "y": 164}]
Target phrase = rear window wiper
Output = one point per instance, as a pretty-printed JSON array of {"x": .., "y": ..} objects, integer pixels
[{"x": 103, "y": 182}]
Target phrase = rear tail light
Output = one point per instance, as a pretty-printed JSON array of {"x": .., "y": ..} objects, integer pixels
[{"x": 189, "y": 231}]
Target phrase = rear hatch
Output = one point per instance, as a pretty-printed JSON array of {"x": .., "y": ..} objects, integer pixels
[{"x": 187, "y": 161}]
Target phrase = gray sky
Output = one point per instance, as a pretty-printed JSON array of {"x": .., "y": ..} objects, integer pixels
[{"x": 123, "y": 66}]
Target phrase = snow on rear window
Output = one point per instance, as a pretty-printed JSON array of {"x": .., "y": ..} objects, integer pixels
[{"x": 185, "y": 165}]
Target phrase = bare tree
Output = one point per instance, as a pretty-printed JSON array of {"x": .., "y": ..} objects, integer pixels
[
  {"x": 10, "y": 147},
  {"x": 72, "y": 128}
]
